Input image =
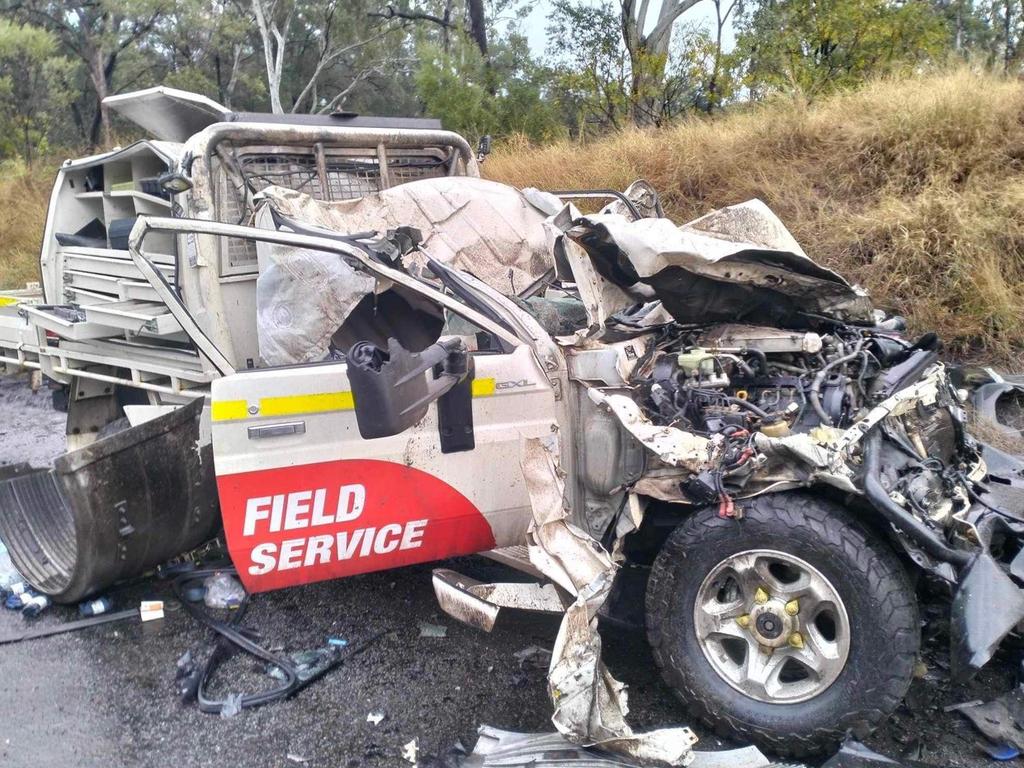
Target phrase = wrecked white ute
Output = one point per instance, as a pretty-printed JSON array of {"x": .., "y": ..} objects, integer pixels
[{"x": 696, "y": 429}]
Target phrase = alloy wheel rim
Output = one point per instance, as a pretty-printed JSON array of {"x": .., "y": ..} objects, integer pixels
[{"x": 772, "y": 626}]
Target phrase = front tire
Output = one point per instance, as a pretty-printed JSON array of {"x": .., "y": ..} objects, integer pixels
[{"x": 788, "y": 627}]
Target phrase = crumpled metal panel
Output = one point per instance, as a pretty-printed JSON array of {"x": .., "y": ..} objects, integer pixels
[
  {"x": 483, "y": 227},
  {"x": 739, "y": 260},
  {"x": 590, "y": 704}
]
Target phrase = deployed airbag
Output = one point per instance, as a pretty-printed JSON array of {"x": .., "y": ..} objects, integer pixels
[{"x": 488, "y": 229}]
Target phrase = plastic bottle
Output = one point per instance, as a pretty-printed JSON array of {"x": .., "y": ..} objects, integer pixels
[
  {"x": 8, "y": 575},
  {"x": 35, "y": 605},
  {"x": 16, "y": 596},
  {"x": 95, "y": 607}
]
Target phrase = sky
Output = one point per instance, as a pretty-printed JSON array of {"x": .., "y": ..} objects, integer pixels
[{"x": 535, "y": 25}]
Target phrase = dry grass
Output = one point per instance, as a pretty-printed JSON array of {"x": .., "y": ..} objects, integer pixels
[
  {"x": 24, "y": 194},
  {"x": 913, "y": 188}
]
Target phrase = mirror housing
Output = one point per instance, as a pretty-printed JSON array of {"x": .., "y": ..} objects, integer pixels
[
  {"x": 392, "y": 389},
  {"x": 174, "y": 182},
  {"x": 483, "y": 147}
]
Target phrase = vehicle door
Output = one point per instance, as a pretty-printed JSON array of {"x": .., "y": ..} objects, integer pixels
[{"x": 304, "y": 497}]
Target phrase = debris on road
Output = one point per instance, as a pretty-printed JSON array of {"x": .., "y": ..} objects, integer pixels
[
  {"x": 506, "y": 749},
  {"x": 222, "y": 590},
  {"x": 151, "y": 610},
  {"x": 409, "y": 751},
  {"x": 433, "y": 630},
  {"x": 95, "y": 607},
  {"x": 1001, "y": 720},
  {"x": 231, "y": 705},
  {"x": 375, "y": 718},
  {"x": 533, "y": 657}
]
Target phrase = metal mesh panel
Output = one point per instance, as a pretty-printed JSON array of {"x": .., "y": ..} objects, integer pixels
[
  {"x": 405, "y": 168},
  {"x": 349, "y": 174},
  {"x": 349, "y": 178}
]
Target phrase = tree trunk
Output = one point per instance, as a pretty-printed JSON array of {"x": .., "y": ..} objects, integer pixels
[
  {"x": 477, "y": 25},
  {"x": 1007, "y": 45}
]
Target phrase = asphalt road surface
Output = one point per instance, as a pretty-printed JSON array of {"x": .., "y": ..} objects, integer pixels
[{"x": 106, "y": 696}]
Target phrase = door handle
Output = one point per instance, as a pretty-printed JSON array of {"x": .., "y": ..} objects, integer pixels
[{"x": 277, "y": 430}]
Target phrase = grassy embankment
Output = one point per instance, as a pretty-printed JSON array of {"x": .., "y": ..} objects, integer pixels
[
  {"x": 913, "y": 188},
  {"x": 24, "y": 194}
]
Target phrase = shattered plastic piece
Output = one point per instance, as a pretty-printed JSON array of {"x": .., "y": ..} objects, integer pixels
[
  {"x": 297, "y": 758},
  {"x": 232, "y": 705},
  {"x": 409, "y": 752},
  {"x": 337, "y": 642},
  {"x": 375, "y": 718},
  {"x": 433, "y": 630},
  {"x": 185, "y": 665},
  {"x": 977, "y": 628},
  {"x": 15, "y": 599},
  {"x": 223, "y": 591},
  {"x": 1000, "y": 720}
]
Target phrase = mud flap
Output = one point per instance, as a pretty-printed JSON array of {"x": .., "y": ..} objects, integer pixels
[
  {"x": 986, "y": 607},
  {"x": 114, "y": 509}
]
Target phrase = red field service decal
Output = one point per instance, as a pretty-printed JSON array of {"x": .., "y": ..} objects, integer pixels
[{"x": 295, "y": 525}]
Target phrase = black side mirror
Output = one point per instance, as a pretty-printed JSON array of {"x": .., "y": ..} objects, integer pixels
[
  {"x": 483, "y": 148},
  {"x": 392, "y": 388},
  {"x": 174, "y": 182}
]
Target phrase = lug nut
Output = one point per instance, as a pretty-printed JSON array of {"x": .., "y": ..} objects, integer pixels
[
  {"x": 793, "y": 607},
  {"x": 761, "y": 596},
  {"x": 796, "y": 640},
  {"x": 744, "y": 620}
]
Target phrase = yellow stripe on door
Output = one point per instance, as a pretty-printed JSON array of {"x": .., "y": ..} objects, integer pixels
[
  {"x": 295, "y": 405},
  {"x": 299, "y": 405}
]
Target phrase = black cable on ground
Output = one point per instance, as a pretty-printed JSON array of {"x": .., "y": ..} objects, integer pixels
[{"x": 230, "y": 634}]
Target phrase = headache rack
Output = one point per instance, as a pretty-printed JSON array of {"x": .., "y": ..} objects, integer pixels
[{"x": 103, "y": 320}]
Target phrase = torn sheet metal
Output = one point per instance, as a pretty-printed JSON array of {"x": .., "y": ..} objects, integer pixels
[
  {"x": 853, "y": 754},
  {"x": 478, "y": 604},
  {"x": 505, "y": 749},
  {"x": 738, "y": 262},
  {"x": 1000, "y": 720},
  {"x": 673, "y": 446},
  {"x": 590, "y": 705},
  {"x": 483, "y": 227}
]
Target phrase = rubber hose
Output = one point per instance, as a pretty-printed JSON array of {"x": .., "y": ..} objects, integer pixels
[{"x": 930, "y": 541}]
